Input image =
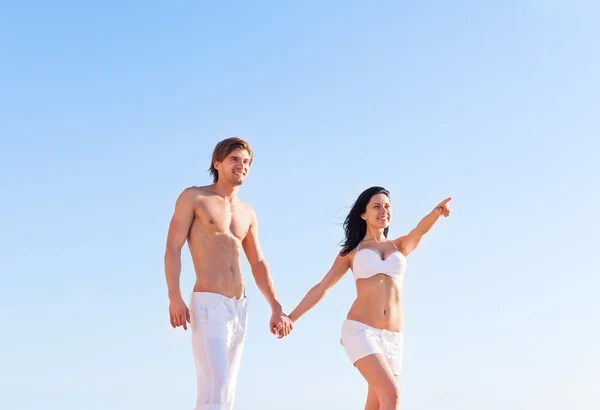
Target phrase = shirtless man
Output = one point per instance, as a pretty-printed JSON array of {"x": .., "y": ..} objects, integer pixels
[{"x": 217, "y": 225}]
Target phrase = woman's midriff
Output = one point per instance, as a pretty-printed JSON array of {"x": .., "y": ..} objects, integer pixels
[{"x": 378, "y": 303}]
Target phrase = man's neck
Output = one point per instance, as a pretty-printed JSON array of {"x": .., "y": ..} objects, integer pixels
[{"x": 225, "y": 190}]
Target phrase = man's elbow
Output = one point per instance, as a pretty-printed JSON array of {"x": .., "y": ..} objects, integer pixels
[
  {"x": 172, "y": 250},
  {"x": 258, "y": 267}
]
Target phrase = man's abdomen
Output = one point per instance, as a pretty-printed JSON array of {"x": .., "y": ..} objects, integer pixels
[{"x": 217, "y": 264}]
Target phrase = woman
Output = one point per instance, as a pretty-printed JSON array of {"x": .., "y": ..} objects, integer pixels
[{"x": 372, "y": 332}]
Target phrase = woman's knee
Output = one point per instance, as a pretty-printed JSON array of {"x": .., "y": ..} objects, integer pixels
[
  {"x": 372, "y": 400},
  {"x": 389, "y": 395}
]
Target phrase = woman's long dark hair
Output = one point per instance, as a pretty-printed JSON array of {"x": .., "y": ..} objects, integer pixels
[{"x": 354, "y": 226}]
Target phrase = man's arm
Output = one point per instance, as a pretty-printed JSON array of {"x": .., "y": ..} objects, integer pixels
[
  {"x": 262, "y": 276},
  {"x": 408, "y": 243},
  {"x": 178, "y": 233}
]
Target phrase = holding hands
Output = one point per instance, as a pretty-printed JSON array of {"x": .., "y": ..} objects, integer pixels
[{"x": 280, "y": 324}]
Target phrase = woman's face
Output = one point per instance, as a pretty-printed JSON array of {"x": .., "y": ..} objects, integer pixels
[{"x": 379, "y": 211}]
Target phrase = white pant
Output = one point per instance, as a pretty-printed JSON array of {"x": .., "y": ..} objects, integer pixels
[{"x": 218, "y": 332}]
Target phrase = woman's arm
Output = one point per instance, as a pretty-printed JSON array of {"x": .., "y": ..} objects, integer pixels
[
  {"x": 408, "y": 243},
  {"x": 314, "y": 295}
]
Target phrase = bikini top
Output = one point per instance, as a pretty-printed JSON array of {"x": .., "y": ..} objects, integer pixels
[{"x": 367, "y": 263}]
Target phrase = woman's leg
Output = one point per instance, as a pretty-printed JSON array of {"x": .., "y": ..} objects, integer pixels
[
  {"x": 382, "y": 382},
  {"x": 372, "y": 400}
]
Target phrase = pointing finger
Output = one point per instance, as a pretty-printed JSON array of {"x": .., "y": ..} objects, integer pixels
[{"x": 445, "y": 201}]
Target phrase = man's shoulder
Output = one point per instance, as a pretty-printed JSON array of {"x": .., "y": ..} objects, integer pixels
[
  {"x": 197, "y": 190},
  {"x": 247, "y": 208},
  {"x": 193, "y": 194}
]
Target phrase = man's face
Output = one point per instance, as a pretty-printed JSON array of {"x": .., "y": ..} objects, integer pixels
[{"x": 234, "y": 167}]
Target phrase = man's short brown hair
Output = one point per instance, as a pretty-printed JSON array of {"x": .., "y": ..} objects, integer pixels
[{"x": 223, "y": 149}]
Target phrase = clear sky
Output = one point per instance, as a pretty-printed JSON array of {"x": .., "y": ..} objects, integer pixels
[{"x": 109, "y": 110}]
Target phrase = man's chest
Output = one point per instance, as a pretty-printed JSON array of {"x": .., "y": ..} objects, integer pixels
[{"x": 224, "y": 217}]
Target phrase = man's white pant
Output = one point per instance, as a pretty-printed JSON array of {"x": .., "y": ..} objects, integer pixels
[{"x": 218, "y": 332}]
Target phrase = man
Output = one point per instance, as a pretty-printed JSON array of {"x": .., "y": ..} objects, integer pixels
[{"x": 217, "y": 225}]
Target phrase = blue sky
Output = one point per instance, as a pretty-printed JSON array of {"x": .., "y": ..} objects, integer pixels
[{"x": 110, "y": 110}]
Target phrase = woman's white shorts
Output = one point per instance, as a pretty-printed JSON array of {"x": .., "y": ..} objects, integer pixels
[{"x": 360, "y": 340}]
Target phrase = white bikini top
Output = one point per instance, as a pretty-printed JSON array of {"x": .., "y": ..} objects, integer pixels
[{"x": 368, "y": 263}]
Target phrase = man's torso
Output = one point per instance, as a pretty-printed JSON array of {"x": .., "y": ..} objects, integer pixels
[{"x": 215, "y": 242}]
